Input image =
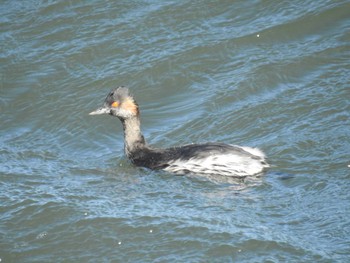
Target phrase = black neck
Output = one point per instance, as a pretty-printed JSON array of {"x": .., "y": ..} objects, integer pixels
[{"x": 133, "y": 138}]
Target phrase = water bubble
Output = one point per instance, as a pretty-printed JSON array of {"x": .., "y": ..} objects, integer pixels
[{"x": 41, "y": 235}]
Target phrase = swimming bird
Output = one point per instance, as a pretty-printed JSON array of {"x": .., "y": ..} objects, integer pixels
[{"x": 208, "y": 159}]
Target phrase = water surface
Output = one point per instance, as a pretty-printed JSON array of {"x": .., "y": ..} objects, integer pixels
[{"x": 269, "y": 74}]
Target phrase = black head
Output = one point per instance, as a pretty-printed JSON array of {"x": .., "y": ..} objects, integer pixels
[{"x": 120, "y": 103}]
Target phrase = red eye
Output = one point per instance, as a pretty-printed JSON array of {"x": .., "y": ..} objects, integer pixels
[{"x": 115, "y": 104}]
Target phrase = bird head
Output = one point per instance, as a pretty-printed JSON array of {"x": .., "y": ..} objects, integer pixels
[{"x": 120, "y": 103}]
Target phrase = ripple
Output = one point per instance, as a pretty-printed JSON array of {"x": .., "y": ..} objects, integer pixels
[{"x": 199, "y": 73}]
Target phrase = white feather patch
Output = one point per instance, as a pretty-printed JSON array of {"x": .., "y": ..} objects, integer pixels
[{"x": 230, "y": 164}]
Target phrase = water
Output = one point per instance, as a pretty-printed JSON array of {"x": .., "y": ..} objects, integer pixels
[{"x": 272, "y": 74}]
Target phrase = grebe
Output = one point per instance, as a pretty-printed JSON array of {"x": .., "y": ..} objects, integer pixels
[{"x": 196, "y": 159}]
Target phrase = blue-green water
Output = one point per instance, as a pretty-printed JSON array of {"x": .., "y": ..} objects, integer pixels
[{"x": 270, "y": 74}]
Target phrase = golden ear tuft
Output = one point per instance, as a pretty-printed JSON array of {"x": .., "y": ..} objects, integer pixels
[
  {"x": 130, "y": 105},
  {"x": 115, "y": 104}
]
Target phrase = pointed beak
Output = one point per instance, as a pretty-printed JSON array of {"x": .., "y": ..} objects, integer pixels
[{"x": 102, "y": 110}]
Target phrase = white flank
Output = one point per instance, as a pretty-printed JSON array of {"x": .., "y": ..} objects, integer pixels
[
  {"x": 253, "y": 151},
  {"x": 222, "y": 164}
]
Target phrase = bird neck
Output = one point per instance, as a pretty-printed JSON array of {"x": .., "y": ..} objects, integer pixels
[{"x": 133, "y": 138}]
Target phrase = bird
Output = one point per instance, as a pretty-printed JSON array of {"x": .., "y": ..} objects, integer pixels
[{"x": 206, "y": 159}]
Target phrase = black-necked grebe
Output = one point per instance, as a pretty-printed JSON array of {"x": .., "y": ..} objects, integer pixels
[{"x": 198, "y": 159}]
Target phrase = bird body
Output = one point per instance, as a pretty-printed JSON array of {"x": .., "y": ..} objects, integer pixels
[{"x": 198, "y": 159}]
